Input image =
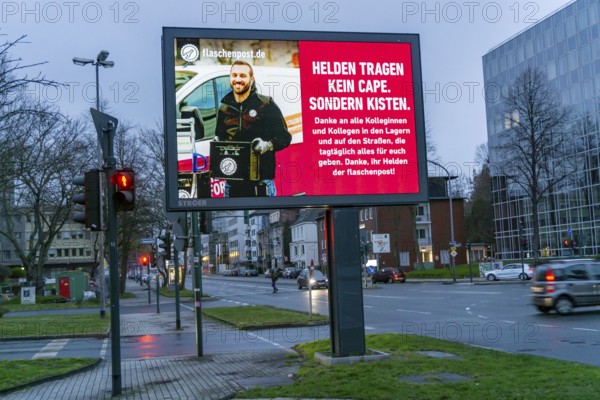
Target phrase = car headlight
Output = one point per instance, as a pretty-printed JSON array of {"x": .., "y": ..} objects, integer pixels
[{"x": 312, "y": 281}]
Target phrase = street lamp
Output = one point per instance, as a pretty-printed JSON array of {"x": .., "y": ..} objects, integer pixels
[
  {"x": 451, "y": 215},
  {"x": 99, "y": 61}
]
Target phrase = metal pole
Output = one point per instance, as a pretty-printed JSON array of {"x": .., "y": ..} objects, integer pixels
[
  {"x": 149, "y": 281},
  {"x": 157, "y": 292},
  {"x": 177, "y": 317},
  {"x": 115, "y": 317},
  {"x": 101, "y": 234},
  {"x": 197, "y": 281},
  {"x": 452, "y": 261}
]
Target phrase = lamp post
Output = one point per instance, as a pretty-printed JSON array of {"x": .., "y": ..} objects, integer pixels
[
  {"x": 100, "y": 61},
  {"x": 452, "y": 243}
]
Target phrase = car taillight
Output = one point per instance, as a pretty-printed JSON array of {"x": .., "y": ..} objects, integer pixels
[{"x": 551, "y": 279}]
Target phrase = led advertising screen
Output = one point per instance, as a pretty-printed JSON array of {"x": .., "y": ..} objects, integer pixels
[{"x": 275, "y": 119}]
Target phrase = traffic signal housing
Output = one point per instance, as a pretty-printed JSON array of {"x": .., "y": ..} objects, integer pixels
[
  {"x": 91, "y": 199},
  {"x": 144, "y": 260},
  {"x": 124, "y": 196},
  {"x": 165, "y": 237}
]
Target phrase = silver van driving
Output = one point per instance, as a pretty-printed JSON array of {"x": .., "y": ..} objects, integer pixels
[{"x": 564, "y": 285}]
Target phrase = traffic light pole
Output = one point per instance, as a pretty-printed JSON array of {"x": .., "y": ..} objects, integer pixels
[
  {"x": 115, "y": 317},
  {"x": 177, "y": 316},
  {"x": 197, "y": 281}
]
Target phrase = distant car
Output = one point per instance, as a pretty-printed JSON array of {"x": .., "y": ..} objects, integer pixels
[
  {"x": 291, "y": 272},
  {"x": 389, "y": 275},
  {"x": 251, "y": 272},
  {"x": 317, "y": 281},
  {"x": 565, "y": 285},
  {"x": 511, "y": 271}
]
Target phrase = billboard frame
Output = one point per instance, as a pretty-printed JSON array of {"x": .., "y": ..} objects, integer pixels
[{"x": 174, "y": 203}]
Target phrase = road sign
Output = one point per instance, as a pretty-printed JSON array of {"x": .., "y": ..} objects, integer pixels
[
  {"x": 179, "y": 238},
  {"x": 453, "y": 253},
  {"x": 381, "y": 243},
  {"x": 148, "y": 241}
]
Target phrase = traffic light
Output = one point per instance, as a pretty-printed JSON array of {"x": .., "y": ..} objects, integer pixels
[
  {"x": 124, "y": 181},
  {"x": 165, "y": 237},
  {"x": 566, "y": 243},
  {"x": 523, "y": 243},
  {"x": 91, "y": 198},
  {"x": 144, "y": 260}
]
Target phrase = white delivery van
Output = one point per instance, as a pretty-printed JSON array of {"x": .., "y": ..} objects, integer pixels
[{"x": 199, "y": 90}]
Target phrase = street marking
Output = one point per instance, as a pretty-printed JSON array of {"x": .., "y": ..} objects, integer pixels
[
  {"x": 412, "y": 311},
  {"x": 586, "y": 329},
  {"x": 367, "y": 306},
  {"x": 403, "y": 297},
  {"x": 104, "y": 347},
  {"x": 369, "y": 328},
  {"x": 458, "y": 292},
  {"x": 51, "y": 349},
  {"x": 547, "y": 326},
  {"x": 482, "y": 316},
  {"x": 263, "y": 339},
  {"x": 508, "y": 322}
]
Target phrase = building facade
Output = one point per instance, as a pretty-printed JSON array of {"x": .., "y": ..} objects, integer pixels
[{"x": 565, "y": 47}]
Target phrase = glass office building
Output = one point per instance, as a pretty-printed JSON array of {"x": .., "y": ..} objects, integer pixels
[{"x": 565, "y": 46}]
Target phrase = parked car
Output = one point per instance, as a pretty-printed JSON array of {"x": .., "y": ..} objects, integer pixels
[
  {"x": 511, "y": 271},
  {"x": 251, "y": 272},
  {"x": 389, "y": 275},
  {"x": 565, "y": 285},
  {"x": 317, "y": 281},
  {"x": 291, "y": 272}
]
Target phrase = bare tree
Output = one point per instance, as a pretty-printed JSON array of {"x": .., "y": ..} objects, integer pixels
[
  {"x": 48, "y": 151},
  {"x": 531, "y": 148}
]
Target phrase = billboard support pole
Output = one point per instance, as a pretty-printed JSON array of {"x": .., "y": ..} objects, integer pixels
[{"x": 346, "y": 313}]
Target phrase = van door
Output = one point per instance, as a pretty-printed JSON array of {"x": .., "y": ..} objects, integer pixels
[{"x": 595, "y": 281}]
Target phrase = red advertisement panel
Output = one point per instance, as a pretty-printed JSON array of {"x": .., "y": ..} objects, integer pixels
[{"x": 358, "y": 119}]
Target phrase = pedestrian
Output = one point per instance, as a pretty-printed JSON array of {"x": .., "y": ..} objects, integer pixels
[{"x": 274, "y": 276}]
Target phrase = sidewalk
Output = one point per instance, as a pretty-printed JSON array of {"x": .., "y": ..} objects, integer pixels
[{"x": 213, "y": 376}]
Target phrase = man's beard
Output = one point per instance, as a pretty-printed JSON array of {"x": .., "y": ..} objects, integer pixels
[{"x": 240, "y": 90}]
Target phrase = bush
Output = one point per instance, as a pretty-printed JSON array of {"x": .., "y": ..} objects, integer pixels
[
  {"x": 3, "y": 311},
  {"x": 16, "y": 273}
]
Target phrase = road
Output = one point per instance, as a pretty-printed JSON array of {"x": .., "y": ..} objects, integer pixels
[{"x": 496, "y": 316}]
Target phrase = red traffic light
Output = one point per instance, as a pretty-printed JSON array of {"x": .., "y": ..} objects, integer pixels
[
  {"x": 566, "y": 243},
  {"x": 124, "y": 196},
  {"x": 123, "y": 179},
  {"x": 144, "y": 260}
]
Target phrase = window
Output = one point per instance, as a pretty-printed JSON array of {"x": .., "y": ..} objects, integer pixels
[
  {"x": 576, "y": 273},
  {"x": 595, "y": 268}
]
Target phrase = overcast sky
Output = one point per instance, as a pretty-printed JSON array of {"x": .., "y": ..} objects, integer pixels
[{"x": 454, "y": 37}]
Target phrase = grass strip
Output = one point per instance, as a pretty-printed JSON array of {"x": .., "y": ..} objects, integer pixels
[
  {"x": 15, "y": 374},
  {"x": 253, "y": 317},
  {"x": 166, "y": 292},
  {"x": 492, "y": 374},
  {"x": 62, "y": 325}
]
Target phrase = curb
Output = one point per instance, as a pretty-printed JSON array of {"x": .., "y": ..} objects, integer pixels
[
  {"x": 50, "y": 378},
  {"x": 53, "y": 337}
]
